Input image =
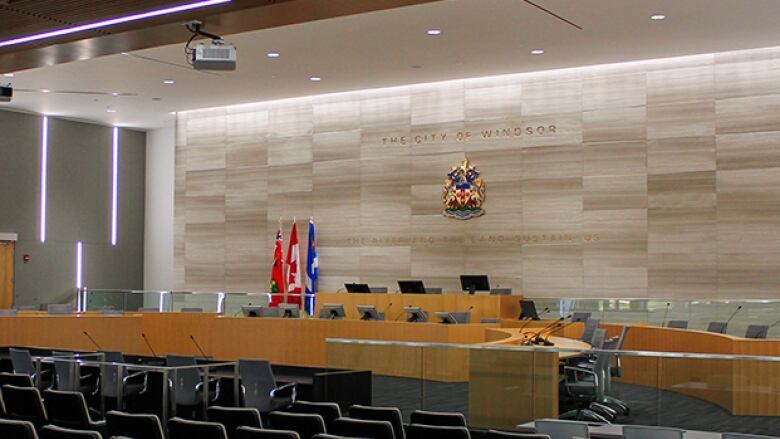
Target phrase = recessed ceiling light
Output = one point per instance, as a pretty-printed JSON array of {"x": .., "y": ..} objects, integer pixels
[
  {"x": 110, "y": 110},
  {"x": 657, "y": 17},
  {"x": 8, "y": 75},
  {"x": 172, "y": 113},
  {"x": 272, "y": 54},
  {"x": 315, "y": 79},
  {"x": 169, "y": 82},
  {"x": 45, "y": 90},
  {"x": 114, "y": 94},
  {"x": 537, "y": 52},
  {"x": 434, "y": 32}
]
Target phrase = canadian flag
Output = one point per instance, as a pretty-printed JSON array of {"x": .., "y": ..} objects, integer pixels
[{"x": 294, "y": 266}]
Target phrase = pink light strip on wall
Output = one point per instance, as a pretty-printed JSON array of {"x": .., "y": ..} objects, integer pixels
[
  {"x": 44, "y": 166},
  {"x": 111, "y": 22},
  {"x": 114, "y": 184}
]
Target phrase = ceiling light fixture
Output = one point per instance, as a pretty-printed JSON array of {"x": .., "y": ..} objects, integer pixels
[
  {"x": 114, "y": 94},
  {"x": 537, "y": 52},
  {"x": 434, "y": 32},
  {"x": 169, "y": 82},
  {"x": 657, "y": 17},
  {"x": 110, "y": 110},
  {"x": 8, "y": 75},
  {"x": 45, "y": 90},
  {"x": 315, "y": 79},
  {"x": 111, "y": 22},
  {"x": 272, "y": 54}
]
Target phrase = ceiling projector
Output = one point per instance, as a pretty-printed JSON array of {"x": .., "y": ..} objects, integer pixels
[
  {"x": 6, "y": 93},
  {"x": 217, "y": 55}
]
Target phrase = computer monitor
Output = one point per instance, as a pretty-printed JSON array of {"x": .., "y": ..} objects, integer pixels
[
  {"x": 454, "y": 317},
  {"x": 259, "y": 311},
  {"x": 289, "y": 311},
  {"x": 369, "y": 312},
  {"x": 528, "y": 310},
  {"x": 415, "y": 314},
  {"x": 332, "y": 311},
  {"x": 473, "y": 283},
  {"x": 357, "y": 288},
  {"x": 411, "y": 286}
]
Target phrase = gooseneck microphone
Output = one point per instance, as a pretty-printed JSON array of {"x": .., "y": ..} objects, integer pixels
[
  {"x": 534, "y": 336},
  {"x": 92, "y": 340},
  {"x": 774, "y": 324},
  {"x": 529, "y": 319},
  {"x": 202, "y": 354},
  {"x": 729, "y": 319},
  {"x": 149, "y": 345},
  {"x": 666, "y": 313},
  {"x": 559, "y": 328}
]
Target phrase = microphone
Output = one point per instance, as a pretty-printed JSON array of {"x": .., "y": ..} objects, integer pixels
[
  {"x": 92, "y": 340},
  {"x": 774, "y": 324},
  {"x": 559, "y": 328},
  {"x": 387, "y": 308},
  {"x": 149, "y": 345},
  {"x": 731, "y": 317},
  {"x": 666, "y": 312},
  {"x": 536, "y": 334},
  {"x": 203, "y": 354}
]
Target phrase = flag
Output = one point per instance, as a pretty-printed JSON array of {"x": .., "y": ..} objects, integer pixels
[
  {"x": 293, "y": 267},
  {"x": 312, "y": 269},
  {"x": 277, "y": 272}
]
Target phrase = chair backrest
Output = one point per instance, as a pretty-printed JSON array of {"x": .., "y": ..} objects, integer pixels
[
  {"x": 362, "y": 428},
  {"x": 597, "y": 341},
  {"x": 757, "y": 331},
  {"x": 590, "y": 327},
  {"x": 108, "y": 374},
  {"x": 234, "y": 417},
  {"x": 24, "y": 404},
  {"x": 16, "y": 379},
  {"x": 330, "y": 411},
  {"x": 179, "y": 428},
  {"x": 580, "y": 316},
  {"x": 66, "y": 408},
  {"x": 21, "y": 361},
  {"x": 677, "y": 324},
  {"x": 377, "y": 289},
  {"x": 444, "y": 419},
  {"x": 65, "y": 368},
  {"x": 192, "y": 309},
  {"x": 617, "y": 343},
  {"x": 305, "y": 424},
  {"x": 390, "y": 414},
  {"x": 59, "y": 308},
  {"x": 186, "y": 380},
  {"x": 264, "y": 433},
  {"x": 17, "y": 429},
  {"x": 433, "y": 290},
  {"x": 717, "y": 327},
  {"x": 55, "y": 432},
  {"x": 501, "y": 291},
  {"x": 258, "y": 382},
  {"x": 558, "y": 429},
  {"x": 419, "y": 431},
  {"x": 647, "y": 432},
  {"x": 496, "y": 434},
  {"x": 134, "y": 425}
]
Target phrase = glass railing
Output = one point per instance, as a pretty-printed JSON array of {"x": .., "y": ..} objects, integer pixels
[{"x": 509, "y": 386}]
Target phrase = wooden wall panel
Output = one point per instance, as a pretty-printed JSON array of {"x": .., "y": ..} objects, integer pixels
[{"x": 651, "y": 179}]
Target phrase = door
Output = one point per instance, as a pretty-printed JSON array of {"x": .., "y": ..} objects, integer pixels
[{"x": 6, "y": 274}]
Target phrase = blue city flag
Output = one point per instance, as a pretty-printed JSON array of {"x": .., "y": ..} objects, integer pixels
[{"x": 312, "y": 270}]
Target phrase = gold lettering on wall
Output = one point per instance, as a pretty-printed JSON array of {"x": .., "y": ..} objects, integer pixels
[
  {"x": 519, "y": 239},
  {"x": 498, "y": 133}
]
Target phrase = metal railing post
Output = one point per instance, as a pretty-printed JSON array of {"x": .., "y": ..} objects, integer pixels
[{"x": 120, "y": 386}]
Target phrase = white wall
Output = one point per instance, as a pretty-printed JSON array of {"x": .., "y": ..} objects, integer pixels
[{"x": 158, "y": 245}]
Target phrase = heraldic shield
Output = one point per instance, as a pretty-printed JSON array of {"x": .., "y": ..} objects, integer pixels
[{"x": 463, "y": 192}]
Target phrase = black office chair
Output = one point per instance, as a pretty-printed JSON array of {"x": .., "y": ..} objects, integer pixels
[
  {"x": 361, "y": 428},
  {"x": 69, "y": 410},
  {"x": 10, "y": 428},
  {"x": 55, "y": 432},
  {"x": 16, "y": 379},
  {"x": 258, "y": 387},
  {"x": 443, "y": 419},
  {"x": 717, "y": 327},
  {"x": 330, "y": 411},
  {"x": 262, "y": 433},
  {"x": 134, "y": 425},
  {"x": 188, "y": 386},
  {"x": 25, "y": 404},
  {"x": 757, "y": 331},
  {"x": 179, "y": 428},
  {"x": 132, "y": 384},
  {"x": 306, "y": 425},
  {"x": 579, "y": 316},
  {"x": 234, "y": 417},
  {"x": 590, "y": 328},
  {"x": 22, "y": 363},
  {"x": 390, "y": 414},
  {"x": 677, "y": 324},
  {"x": 419, "y": 431},
  {"x": 66, "y": 379},
  {"x": 496, "y": 434}
]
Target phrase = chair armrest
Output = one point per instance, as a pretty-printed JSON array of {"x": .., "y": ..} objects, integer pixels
[
  {"x": 139, "y": 377},
  {"x": 288, "y": 390},
  {"x": 580, "y": 370}
]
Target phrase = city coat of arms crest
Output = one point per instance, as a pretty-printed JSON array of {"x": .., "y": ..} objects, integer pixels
[{"x": 463, "y": 192}]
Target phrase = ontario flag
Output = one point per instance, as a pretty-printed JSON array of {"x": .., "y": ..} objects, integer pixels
[
  {"x": 276, "y": 286},
  {"x": 294, "y": 267}
]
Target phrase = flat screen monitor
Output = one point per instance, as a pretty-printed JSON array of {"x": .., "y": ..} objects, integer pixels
[
  {"x": 411, "y": 286},
  {"x": 454, "y": 317},
  {"x": 357, "y": 288},
  {"x": 473, "y": 283},
  {"x": 332, "y": 311},
  {"x": 369, "y": 312},
  {"x": 415, "y": 314},
  {"x": 259, "y": 311},
  {"x": 289, "y": 311},
  {"x": 528, "y": 310}
]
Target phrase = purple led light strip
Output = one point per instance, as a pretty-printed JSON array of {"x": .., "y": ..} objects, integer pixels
[{"x": 111, "y": 22}]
